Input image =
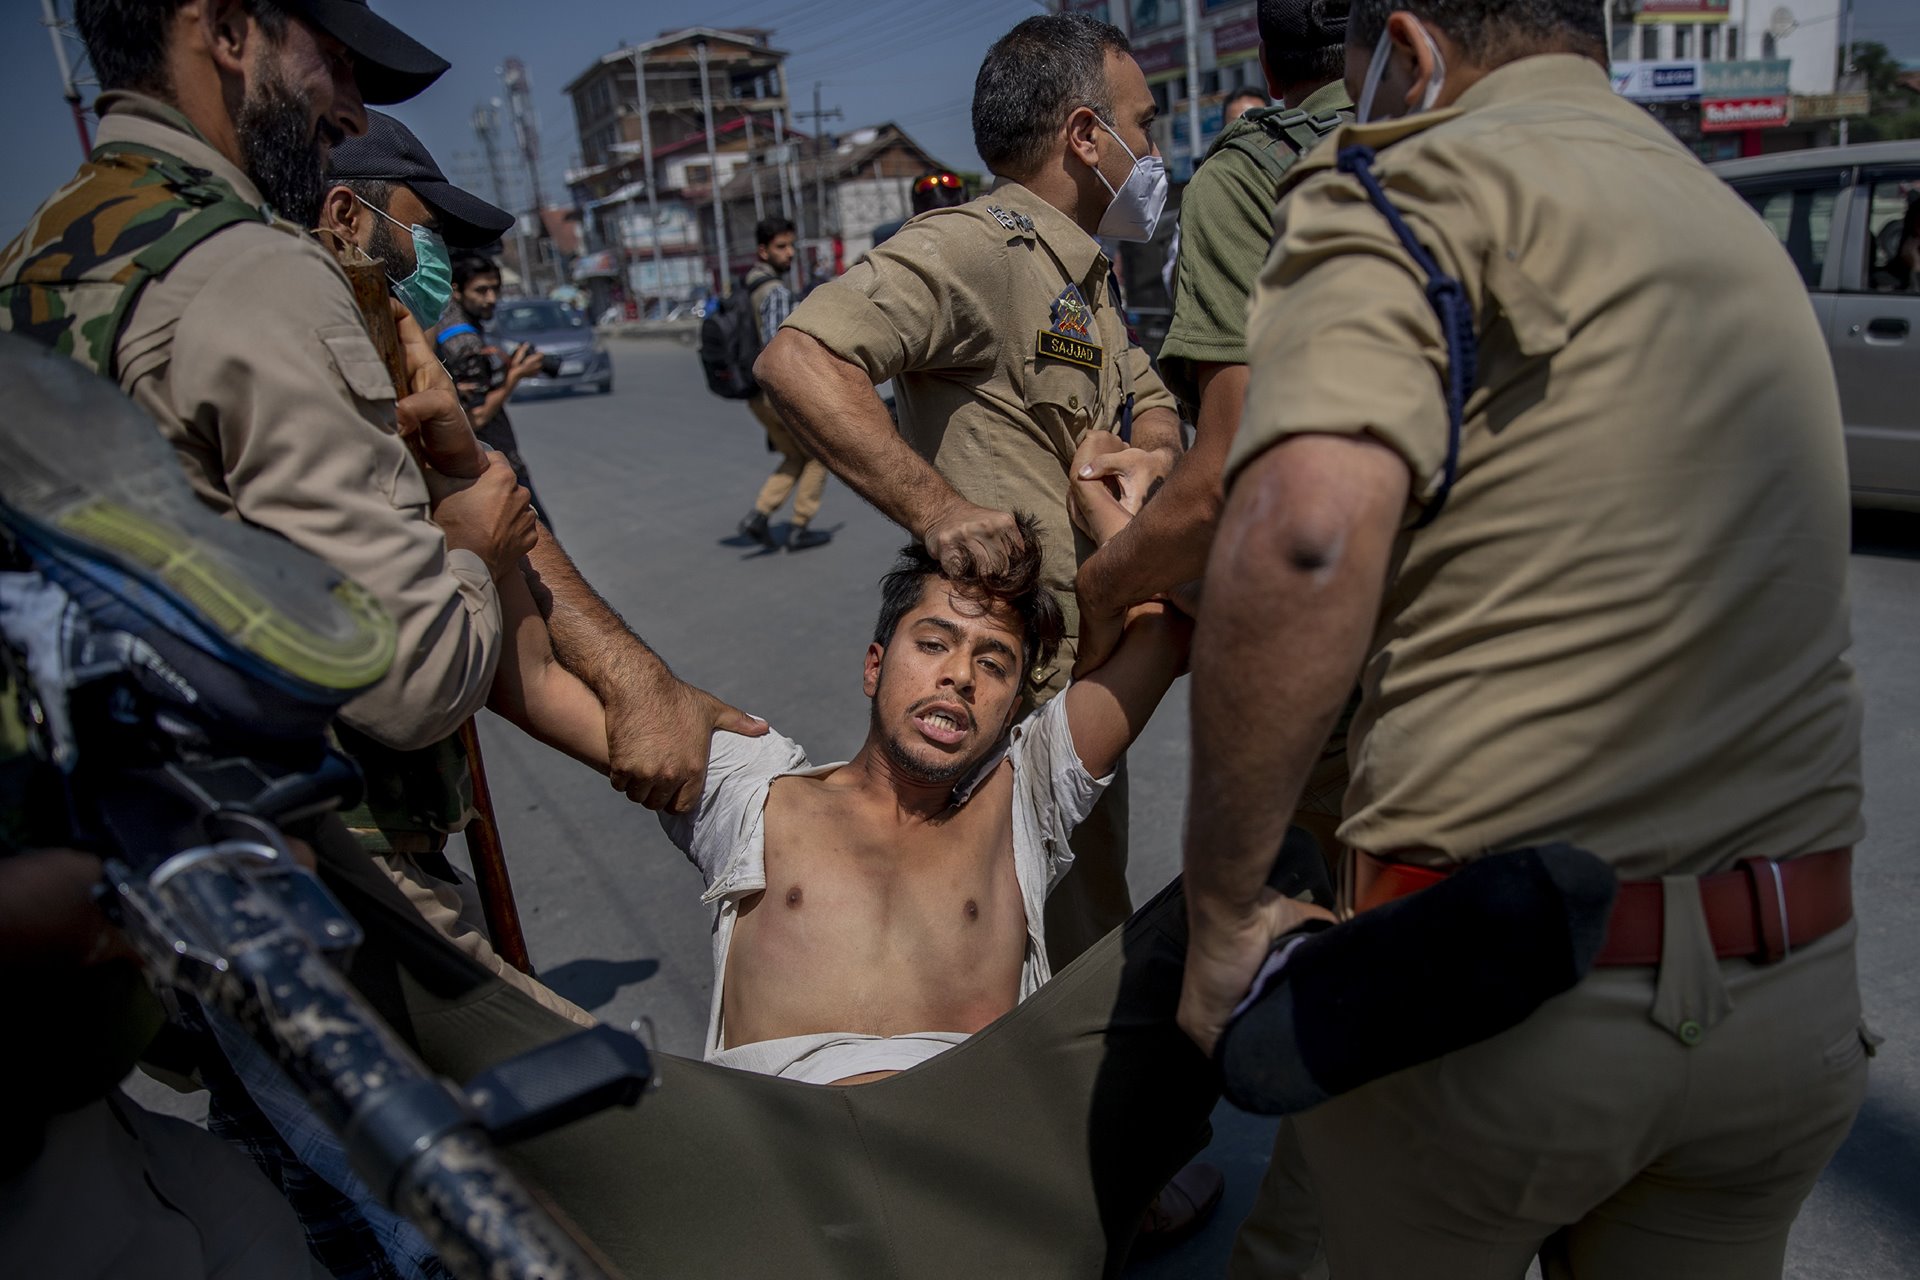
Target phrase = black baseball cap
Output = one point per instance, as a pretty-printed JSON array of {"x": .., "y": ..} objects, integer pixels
[
  {"x": 389, "y": 152},
  {"x": 388, "y": 64}
]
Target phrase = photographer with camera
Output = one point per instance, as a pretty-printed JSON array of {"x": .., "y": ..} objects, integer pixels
[{"x": 485, "y": 378}]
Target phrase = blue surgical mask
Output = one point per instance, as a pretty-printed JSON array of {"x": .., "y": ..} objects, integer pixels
[{"x": 428, "y": 289}]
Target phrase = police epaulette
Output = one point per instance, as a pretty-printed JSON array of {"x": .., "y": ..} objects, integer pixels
[{"x": 1019, "y": 223}]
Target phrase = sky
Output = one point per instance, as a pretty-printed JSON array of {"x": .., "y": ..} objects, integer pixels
[{"x": 910, "y": 61}]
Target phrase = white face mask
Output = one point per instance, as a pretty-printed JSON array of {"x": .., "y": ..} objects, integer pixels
[
  {"x": 1377, "y": 67},
  {"x": 1135, "y": 209}
]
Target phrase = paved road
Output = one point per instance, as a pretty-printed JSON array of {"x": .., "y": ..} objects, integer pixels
[{"x": 646, "y": 485}]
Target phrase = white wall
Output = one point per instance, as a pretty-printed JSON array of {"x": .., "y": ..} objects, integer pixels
[{"x": 1813, "y": 46}]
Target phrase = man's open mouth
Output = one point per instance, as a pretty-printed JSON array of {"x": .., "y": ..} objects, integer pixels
[{"x": 946, "y": 725}]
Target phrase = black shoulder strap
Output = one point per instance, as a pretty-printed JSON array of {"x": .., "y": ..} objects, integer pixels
[{"x": 1449, "y": 301}]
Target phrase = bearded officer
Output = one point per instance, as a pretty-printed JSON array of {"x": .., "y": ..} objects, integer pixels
[
  {"x": 997, "y": 323},
  {"x": 1579, "y": 528}
]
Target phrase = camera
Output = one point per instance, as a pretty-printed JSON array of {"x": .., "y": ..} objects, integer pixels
[{"x": 549, "y": 365}]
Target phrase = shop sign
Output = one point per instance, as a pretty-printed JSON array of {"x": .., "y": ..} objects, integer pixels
[
  {"x": 1241, "y": 36},
  {"x": 1682, "y": 11},
  {"x": 1725, "y": 115},
  {"x": 1657, "y": 81}
]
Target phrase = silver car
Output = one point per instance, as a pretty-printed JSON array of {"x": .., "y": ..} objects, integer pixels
[
  {"x": 576, "y": 356},
  {"x": 1849, "y": 217}
]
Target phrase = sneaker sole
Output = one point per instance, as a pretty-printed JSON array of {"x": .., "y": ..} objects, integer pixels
[{"x": 285, "y": 607}]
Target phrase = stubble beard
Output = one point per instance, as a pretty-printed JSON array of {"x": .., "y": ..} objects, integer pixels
[{"x": 915, "y": 768}]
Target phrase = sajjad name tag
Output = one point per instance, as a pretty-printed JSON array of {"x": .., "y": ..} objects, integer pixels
[{"x": 1058, "y": 346}]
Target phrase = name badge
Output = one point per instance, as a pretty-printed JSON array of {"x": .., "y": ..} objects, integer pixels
[{"x": 1058, "y": 346}]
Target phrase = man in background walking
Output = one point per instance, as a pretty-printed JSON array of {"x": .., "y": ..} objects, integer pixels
[{"x": 799, "y": 474}]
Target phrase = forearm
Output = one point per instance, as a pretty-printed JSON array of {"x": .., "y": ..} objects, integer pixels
[
  {"x": 538, "y": 695},
  {"x": 1109, "y": 708},
  {"x": 831, "y": 406},
  {"x": 1293, "y": 592},
  {"x": 588, "y": 637},
  {"x": 487, "y": 409},
  {"x": 1165, "y": 546}
]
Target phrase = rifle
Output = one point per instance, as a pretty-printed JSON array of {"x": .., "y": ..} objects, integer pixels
[
  {"x": 181, "y": 671},
  {"x": 489, "y": 856}
]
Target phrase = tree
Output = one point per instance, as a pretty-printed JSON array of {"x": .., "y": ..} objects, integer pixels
[
  {"x": 1893, "y": 110},
  {"x": 1880, "y": 69}
]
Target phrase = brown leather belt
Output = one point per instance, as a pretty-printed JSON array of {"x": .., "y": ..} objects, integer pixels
[{"x": 1761, "y": 910}]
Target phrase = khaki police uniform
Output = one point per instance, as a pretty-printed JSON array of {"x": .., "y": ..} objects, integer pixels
[
  {"x": 1624, "y": 630},
  {"x": 995, "y": 320},
  {"x": 252, "y": 357}
]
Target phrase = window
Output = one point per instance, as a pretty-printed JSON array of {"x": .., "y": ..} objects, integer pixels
[
  {"x": 1769, "y": 47},
  {"x": 1801, "y": 215},
  {"x": 1622, "y": 50},
  {"x": 1893, "y": 235},
  {"x": 698, "y": 175},
  {"x": 1709, "y": 44},
  {"x": 1683, "y": 42},
  {"x": 1733, "y": 44},
  {"x": 1649, "y": 43}
]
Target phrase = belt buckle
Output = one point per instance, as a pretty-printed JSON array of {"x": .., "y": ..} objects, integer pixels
[{"x": 1769, "y": 891}]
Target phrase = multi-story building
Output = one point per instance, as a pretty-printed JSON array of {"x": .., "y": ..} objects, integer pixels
[
  {"x": 1736, "y": 77},
  {"x": 746, "y": 79}
]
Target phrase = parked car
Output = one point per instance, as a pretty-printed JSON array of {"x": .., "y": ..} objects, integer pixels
[
  {"x": 577, "y": 358},
  {"x": 1849, "y": 217}
]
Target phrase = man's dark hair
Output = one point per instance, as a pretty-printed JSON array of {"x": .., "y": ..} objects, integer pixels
[
  {"x": 468, "y": 267},
  {"x": 1494, "y": 31},
  {"x": 377, "y": 192},
  {"x": 1018, "y": 587},
  {"x": 768, "y": 228},
  {"x": 1256, "y": 96},
  {"x": 1304, "y": 40},
  {"x": 127, "y": 39},
  {"x": 1033, "y": 78}
]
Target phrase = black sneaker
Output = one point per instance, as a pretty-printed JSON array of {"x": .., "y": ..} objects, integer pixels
[
  {"x": 799, "y": 538},
  {"x": 755, "y": 527},
  {"x": 93, "y": 499}
]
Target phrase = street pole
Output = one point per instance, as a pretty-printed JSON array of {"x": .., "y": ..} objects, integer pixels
[
  {"x": 792, "y": 208},
  {"x": 819, "y": 170},
  {"x": 1191, "y": 13},
  {"x": 753, "y": 172},
  {"x": 713, "y": 169},
  {"x": 819, "y": 116},
  {"x": 67, "y": 87},
  {"x": 1846, "y": 63},
  {"x": 646, "y": 162}
]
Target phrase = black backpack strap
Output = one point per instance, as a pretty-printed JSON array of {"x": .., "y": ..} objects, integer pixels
[{"x": 1449, "y": 301}]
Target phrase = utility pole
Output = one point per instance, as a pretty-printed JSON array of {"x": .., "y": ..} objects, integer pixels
[
  {"x": 1846, "y": 62},
  {"x": 68, "y": 90},
  {"x": 1191, "y": 14},
  {"x": 753, "y": 172},
  {"x": 646, "y": 162},
  {"x": 486, "y": 126},
  {"x": 794, "y": 208},
  {"x": 713, "y": 171},
  {"x": 819, "y": 117},
  {"x": 526, "y": 131}
]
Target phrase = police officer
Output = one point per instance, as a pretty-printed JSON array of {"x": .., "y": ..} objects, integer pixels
[
  {"x": 1578, "y": 523},
  {"x": 391, "y": 199},
  {"x": 996, "y": 323}
]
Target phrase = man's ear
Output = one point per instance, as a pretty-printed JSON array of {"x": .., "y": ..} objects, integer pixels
[
  {"x": 342, "y": 218},
  {"x": 228, "y": 30},
  {"x": 876, "y": 653},
  {"x": 1408, "y": 43},
  {"x": 1082, "y": 124}
]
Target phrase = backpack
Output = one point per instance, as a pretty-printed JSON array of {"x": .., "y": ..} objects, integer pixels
[
  {"x": 1277, "y": 136},
  {"x": 730, "y": 342},
  {"x": 71, "y": 279}
]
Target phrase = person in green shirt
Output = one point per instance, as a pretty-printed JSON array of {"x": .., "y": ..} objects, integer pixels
[
  {"x": 1226, "y": 226},
  {"x": 1226, "y": 223}
]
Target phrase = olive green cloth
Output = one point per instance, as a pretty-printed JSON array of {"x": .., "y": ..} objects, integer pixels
[
  {"x": 1226, "y": 225},
  {"x": 1031, "y": 1150}
]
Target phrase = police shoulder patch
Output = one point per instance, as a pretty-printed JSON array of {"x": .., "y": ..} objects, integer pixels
[{"x": 1069, "y": 335}]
